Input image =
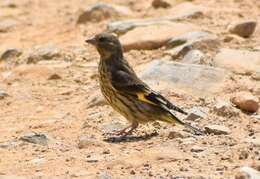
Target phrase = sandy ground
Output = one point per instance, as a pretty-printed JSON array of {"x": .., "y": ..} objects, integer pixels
[{"x": 61, "y": 109}]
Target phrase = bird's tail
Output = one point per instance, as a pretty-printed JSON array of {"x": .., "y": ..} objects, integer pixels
[{"x": 196, "y": 130}]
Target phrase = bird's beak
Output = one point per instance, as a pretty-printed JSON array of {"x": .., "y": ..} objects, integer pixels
[{"x": 92, "y": 41}]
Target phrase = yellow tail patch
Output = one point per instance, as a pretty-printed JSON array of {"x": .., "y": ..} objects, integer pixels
[{"x": 141, "y": 97}]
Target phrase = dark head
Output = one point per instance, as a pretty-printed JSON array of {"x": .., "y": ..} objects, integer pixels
[{"x": 107, "y": 45}]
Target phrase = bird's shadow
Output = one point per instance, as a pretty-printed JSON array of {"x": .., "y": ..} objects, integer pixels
[{"x": 119, "y": 139}]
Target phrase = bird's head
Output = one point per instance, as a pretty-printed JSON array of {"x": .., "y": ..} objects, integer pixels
[{"x": 107, "y": 44}]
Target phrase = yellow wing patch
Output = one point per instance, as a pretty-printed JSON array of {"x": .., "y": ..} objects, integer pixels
[{"x": 141, "y": 97}]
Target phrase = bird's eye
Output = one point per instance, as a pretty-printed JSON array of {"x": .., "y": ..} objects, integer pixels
[{"x": 102, "y": 39}]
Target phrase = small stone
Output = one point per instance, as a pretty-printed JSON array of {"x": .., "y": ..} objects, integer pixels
[
  {"x": 8, "y": 54},
  {"x": 85, "y": 142},
  {"x": 243, "y": 29},
  {"x": 256, "y": 75},
  {"x": 246, "y": 101},
  {"x": 96, "y": 100},
  {"x": 252, "y": 173},
  {"x": 196, "y": 148},
  {"x": 223, "y": 108},
  {"x": 160, "y": 4},
  {"x": 104, "y": 175},
  {"x": 197, "y": 112},
  {"x": 217, "y": 129},
  {"x": 102, "y": 11},
  {"x": 194, "y": 57},
  {"x": 175, "y": 134},
  {"x": 132, "y": 172},
  {"x": 243, "y": 155},
  {"x": 3, "y": 94},
  {"x": 54, "y": 76},
  {"x": 180, "y": 45},
  {"x": 34, "y": 138},
  {"x": 93, "y": 158},
  {"x": 10, "y": 144}
]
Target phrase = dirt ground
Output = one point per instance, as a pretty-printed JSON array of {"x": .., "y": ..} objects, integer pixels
[{"x": 69, "y": 108}]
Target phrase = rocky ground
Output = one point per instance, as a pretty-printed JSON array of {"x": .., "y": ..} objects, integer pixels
[{"x": 202, "y": 55}]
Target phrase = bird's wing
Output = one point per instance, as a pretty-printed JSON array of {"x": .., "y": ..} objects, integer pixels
[{"x": 131, "y": 84}]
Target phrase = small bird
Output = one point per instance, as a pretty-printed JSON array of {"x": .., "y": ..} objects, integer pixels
[{"x": 128, "y": 94}]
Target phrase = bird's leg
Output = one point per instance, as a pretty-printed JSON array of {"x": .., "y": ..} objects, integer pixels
[
  {"x": 132, "y": 128},
  {"x": 124, "y": 131}
]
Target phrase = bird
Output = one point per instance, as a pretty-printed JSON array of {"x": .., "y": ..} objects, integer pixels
[{"x": 126, "y": 92}]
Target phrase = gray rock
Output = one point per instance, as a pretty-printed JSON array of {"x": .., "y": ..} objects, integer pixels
[
  {"x": 104, "y": 175},
  {"x": 223, "y": 108},
  {"x": 102, "y": 11},
  {"x": 217, "y": 129},
  {"x": 10, "y": 144},
  {"x": 246, "y": 101},
  {"x": 34, "y": 138},
  {"x": 238, "y": 61},
  {"x": 196, "y": 148},
  {"x": 181, "y": 45},
  {"x": 85, "y": 142},
  {"x": 3, "y": 94},
  {"x": 243, "y": 29},
  {"x": 112, "y": 126},
  {"x": 252, "y": 173},
  {"x": 96, "y": 100},
  {"x": 197, "y": 112},
  {"x": 121, "y": 27},
  {"x": 199, "y": 79},
  {"x": 194, "y": 57},
  {"x": 8, "y": 54}
]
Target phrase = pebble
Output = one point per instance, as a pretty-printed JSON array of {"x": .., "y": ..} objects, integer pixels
[
  {"x": 35, "y": 138},
  {"x": 85, "y": 142},
  {"x": 196, "y": 148},
  {"x": 180, "y": 45},
  {"x": 194, "y": 57},
  {"x": 217, "y": 129},
  {"x": 224, "y": 108},
  {"x": 10, "y": 53},
  {"x": 246, "y": 101},
  {"x": 102, "y": 11},
  {"x": 244, "y": 29},
  {"x": 3, "y": 94},
  {"x": 160, "y": 4}
]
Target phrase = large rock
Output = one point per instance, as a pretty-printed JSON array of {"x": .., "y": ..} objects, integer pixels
[
  {"x": 243, "y": 29},
  {"x": 238, "y": 61},
  {"x": 180, "y": 45},
  {"x": 153, "y": 36},
  {"x": 246, "y": 101},
  {"x": 199, "y": 79},
  {"x": 102, "y": 11},
  {"x": 121, "y": 27}
]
